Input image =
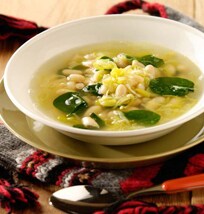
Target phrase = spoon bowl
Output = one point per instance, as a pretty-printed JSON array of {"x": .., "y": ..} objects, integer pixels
[
  {"x": 82, "y": 199},
  {"x": 86, "y": 199}
]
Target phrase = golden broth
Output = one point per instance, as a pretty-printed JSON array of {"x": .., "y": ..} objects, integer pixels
[{"x": 53, "y": 79}]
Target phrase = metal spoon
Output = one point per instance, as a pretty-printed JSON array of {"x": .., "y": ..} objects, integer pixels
[{"x": 85, "y": 199}]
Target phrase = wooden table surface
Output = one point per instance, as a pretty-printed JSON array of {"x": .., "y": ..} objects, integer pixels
[{"x": 52, "y": 12}]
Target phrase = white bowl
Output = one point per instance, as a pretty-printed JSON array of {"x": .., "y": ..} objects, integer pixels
[{"x": 30, "y": 56}]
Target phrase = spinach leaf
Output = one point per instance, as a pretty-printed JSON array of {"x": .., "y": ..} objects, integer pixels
[
  {"x": 93, "y": 89},
  {"x": 131, "y": 58},
  {"x": 60, "y": 71},
  {"x": 151, "y": 60},
  {"x": 147, "y": 60},
  {"x": 144, "y": 117},
  {"x": 171, "y": 86},
  {"x": 100, "y": 122},
  {"x": 106, "y": 57},
  {"x": 79, "y": 67},
  {"x": 70, "y": 103},
  {"x": 79, "y": 126}
]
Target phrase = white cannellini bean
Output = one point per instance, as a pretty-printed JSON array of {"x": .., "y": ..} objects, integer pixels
[
  {"x": 79, "y": 86},
  {"x": 181, "y": 68},
  {"x": 138, "y": 78},
  {"x": 151, "y": 70},
  {"x": 90, "y": 56},
  {"x": 121, "y": 60},
  {"x": 71, "y": 85},
  {"x": 89, "y": 122},
  {"x": 71, "y": 71},
  {"x": 136, "y": 63},
  {"x": 62, "y": 84},
  {"x": 136, "y": 102},
  {"x": 121, "y": 90},
  {"x": 103, "y": 89},
  {"x": 96, "y": 77},
  {"x": 135, "y": 80},
  {"x": 170, "y": 70},
  {"x": 141, "y": 86},
  {"x": 88, "y": 63},
  {"x": 174, "y": 100},
  {"x": 76, "y": 78}
]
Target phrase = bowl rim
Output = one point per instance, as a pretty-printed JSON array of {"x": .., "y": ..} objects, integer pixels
[{"x": 123, "y": 133}]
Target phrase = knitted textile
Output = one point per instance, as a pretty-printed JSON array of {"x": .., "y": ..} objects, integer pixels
[{"x": 20, "y": 159}]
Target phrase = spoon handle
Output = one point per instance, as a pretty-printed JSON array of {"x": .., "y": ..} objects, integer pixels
[
  {"x": 171, "y": 186},
  {"x": 184, "y": 183}
]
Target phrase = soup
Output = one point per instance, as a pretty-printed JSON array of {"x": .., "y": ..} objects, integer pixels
[{"x": 116, "y": 86}]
